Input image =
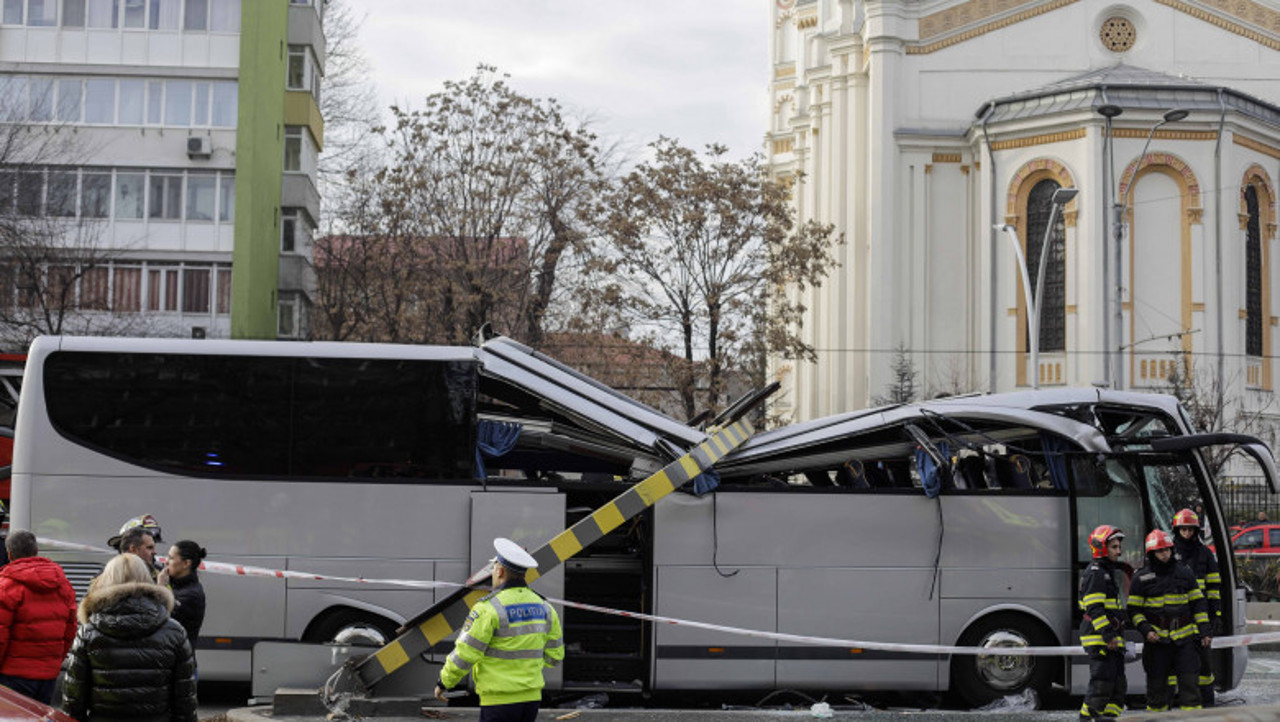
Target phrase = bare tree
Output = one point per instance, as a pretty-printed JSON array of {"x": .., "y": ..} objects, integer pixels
[
  {"x": 478, "y": 205},
  {"x": 704, "y": 254},
  {"x": 347, "y": 97},
  {"x": 54, "y": 263},
  {"x": 1214, "y": 407}
]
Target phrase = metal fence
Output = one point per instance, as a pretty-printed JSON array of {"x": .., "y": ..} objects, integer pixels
[{"x": 1244, "y": 496}]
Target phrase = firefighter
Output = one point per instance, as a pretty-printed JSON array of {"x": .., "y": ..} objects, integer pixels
[
  {"x": 507, "y": 639},
  {"x": 1189, "y": 550},
  {"x": 1168, "y": 610},
  {"x": 1102, "y": 631}
]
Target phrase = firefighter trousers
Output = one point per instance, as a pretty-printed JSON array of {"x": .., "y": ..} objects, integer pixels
[
  {"x": 1163, "y": 660},
  {"x": 1107, "y": 684}
]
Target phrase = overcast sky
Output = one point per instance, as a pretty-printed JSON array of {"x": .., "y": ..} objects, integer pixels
[{"x": 696, "y": 70}]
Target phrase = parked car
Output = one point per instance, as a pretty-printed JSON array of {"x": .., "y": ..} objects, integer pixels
[
  {"x": 1263, "y": 539},
  {"x": 17, "y": 708}
]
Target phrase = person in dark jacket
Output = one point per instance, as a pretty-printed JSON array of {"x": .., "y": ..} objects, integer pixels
[
  {"x": 37, "y": 619},
  {"x": 1189, "y": 550},
  {"x": 1102, "y": 630},
  {"x": 1168, "y": 610},
  {"x": 180, "y": 573},
  {"x": 130, "y": 659}
]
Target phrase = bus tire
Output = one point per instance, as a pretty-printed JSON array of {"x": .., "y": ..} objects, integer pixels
[
  {"x": 979, "y": 680},
  {"x": 350, "y": 626}
]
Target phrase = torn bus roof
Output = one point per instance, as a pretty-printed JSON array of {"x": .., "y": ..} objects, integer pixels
[{"x": 789, "y": 440}]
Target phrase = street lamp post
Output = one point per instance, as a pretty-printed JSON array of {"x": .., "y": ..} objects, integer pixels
[
  {"x": 1110, "y": 111},
  {"x": 1061, "y": 197}
]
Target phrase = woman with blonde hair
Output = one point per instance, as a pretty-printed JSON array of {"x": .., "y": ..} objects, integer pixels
[{"x": 130, "y": 659}]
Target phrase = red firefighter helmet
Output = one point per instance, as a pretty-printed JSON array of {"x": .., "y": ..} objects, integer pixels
[
  {"x": 1186, "y": 517},
  {"x": 1159, "y": 539},
  {"x": 1099, "y": 538}
]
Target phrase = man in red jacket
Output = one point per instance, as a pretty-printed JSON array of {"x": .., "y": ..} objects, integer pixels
[{"x": 37, "y": 618}]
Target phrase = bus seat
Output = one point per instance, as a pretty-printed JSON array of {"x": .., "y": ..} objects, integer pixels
[
  {"x": 969, "y": 471},
  {"x": 878, "y": 477},
  {"x": 854, "y": 475},
  {"x": 1020, "y": 471}
]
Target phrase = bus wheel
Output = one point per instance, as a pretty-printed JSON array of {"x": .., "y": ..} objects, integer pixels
[
  {"x": 980, "y": 679},
  {"x": 351, "y": 626}
]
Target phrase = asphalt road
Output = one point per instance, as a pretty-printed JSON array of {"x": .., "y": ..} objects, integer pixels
[{"x": 1261, "y": 686}]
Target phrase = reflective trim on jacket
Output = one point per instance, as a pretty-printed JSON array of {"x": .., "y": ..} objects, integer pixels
[{"x": 509, "y": 637}]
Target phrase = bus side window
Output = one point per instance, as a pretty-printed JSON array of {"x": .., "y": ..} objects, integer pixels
[{"x": 971, "y": 470}]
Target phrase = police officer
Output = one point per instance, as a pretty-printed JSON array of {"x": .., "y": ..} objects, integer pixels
[
  {"x": 508, "y": 638},
  {"x": 1189, "y": 550},
  {"x": 1102, "y": 631},
  {"x": 1168, "y": 609}
]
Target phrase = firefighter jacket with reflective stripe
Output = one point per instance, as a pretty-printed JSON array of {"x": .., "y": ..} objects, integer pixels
[
  {"x": 508, "y": 638},
  {"x": 1100, "y": 600},
  {"x": 1205, "y": 566},
  {"x": 1165, "y": 599}
]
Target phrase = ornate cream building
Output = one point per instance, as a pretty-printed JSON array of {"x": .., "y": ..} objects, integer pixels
[{"x": 919, "y": 125}]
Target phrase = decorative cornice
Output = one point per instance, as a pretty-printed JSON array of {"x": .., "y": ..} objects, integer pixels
[
  {"x": 1166, "y": 134},
  {"x": 946, "y": 157},
  {"x": 784, "y": 71},
  {"x": 807, "y": 22},
  {"x": 1248, "y": 11},
  {"x": 1039, "y": 139},
  {"x": 1252, "y": 144},
  {"x": 785, "y": 145},
  {"x": 1195, "y": 216},
  {"x": 965, "y": 14},
  {"x": 964, "y": 169},
  {"x": 928, "y": 168}
]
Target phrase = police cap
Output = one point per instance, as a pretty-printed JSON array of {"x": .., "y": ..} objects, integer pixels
[{"x": 512, "y": 556}]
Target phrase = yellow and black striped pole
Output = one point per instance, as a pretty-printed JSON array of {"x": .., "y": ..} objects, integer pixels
[{"x": 447, "y": 616}]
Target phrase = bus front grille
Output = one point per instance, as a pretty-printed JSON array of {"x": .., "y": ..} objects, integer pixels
[{"x": 80, "y": 574}]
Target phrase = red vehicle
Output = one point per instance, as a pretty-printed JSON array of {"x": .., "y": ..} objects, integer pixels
[
  {"x": 17, "y": 708},
  {"x": 1263, "y": 539}
]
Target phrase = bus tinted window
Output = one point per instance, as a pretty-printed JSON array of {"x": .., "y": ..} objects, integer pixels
[{"x": 267, "y": 416}]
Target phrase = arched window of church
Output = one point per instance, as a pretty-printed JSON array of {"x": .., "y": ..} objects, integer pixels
[
  {"x": 1253, "y": 274},
  {"x": 1053, "y": 321}
]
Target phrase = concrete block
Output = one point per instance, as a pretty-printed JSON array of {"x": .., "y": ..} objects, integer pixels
[{"x": 298, "y": 702}]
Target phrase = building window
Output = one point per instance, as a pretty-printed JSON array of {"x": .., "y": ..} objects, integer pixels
[
  {"x": 69, "y": 97},
  {"x": 177, "y": 103},
  {"x": 73, "y": 13},
  {"x": 164, "y": 14},
  {"x": 224, "y": 16},
  {"x": 296, "y": 79},
  {"x": 12, "y": 12},
  {"x": 165, "y": 197},
  {"x": 95, "y": 197},
  {"x": 195, "y": 290},
  {"x": 201, "y": 196},
  {"x": 1253, "y": 274},
  {"x": 288, "y": 230},
  {"x": 130, "y": 201},
  {"x": 133, "y": 98},
  {"x": 293, "y": 148},
  {"x": 1053, "y": 336},
  {"x": 42, "y": 13},
  {"x": 224, "y": 105},
  {"x": 196, "y": 15},
  {"x": 61, "y": 201},
  {"x": 102, "y": 14},
  {"x": 288, "y": 318},
  {"x": 100, "y": 101},
  {"x": 40, "y": 98},
  {"x": 227, "y": 198},
  {"x": 135, "y": 14}
]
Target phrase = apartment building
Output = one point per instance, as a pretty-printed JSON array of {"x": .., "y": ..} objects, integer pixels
[{"x": 176, "y": 142}]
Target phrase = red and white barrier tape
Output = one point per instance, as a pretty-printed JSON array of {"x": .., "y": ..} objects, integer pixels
[{"x": 852, "y": 644}]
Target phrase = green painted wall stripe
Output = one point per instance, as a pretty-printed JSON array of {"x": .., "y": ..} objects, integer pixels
[{"x": 264, "y": 29}]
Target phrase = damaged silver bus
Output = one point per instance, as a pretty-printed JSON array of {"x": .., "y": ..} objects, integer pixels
[
  {"x": 956, "y": 521},
  {"x": 953, "y": 522}
]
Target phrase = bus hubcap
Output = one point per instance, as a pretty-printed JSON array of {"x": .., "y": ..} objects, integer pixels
[
  {"x": 360, "y": 634},
  {"x": 1003, "y": 671}
]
